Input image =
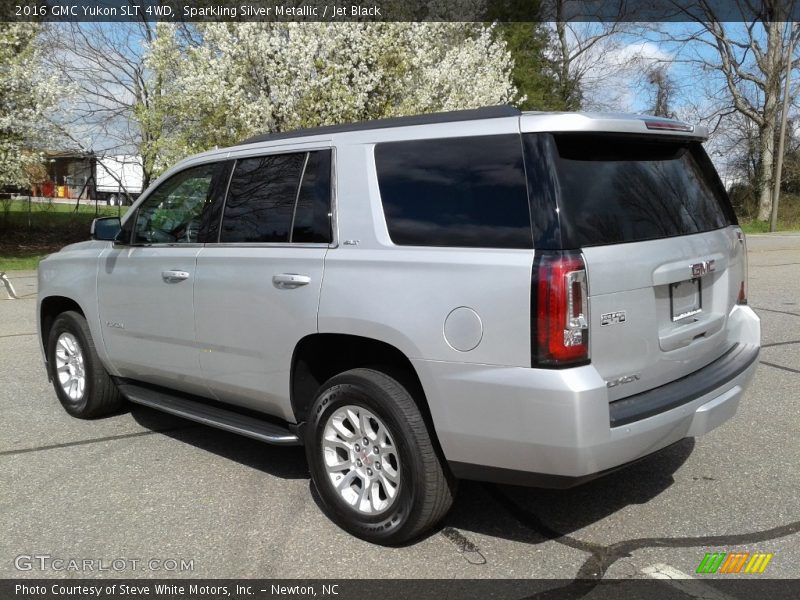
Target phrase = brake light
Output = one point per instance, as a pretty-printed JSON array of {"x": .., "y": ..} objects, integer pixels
[
  {"x": 559, "y": 311},
  {"x": 668, "y": 125},
  {"x": 741, "y": 297}
]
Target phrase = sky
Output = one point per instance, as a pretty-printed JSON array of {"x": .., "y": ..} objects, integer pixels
[
  {"x": 615, "y": 82},
  {"x": 614, "y": 79}
]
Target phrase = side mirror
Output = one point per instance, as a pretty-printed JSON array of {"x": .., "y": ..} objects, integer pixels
[{"x": 105, "y": 228}]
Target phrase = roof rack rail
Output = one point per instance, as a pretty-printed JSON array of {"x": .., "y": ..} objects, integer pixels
[{"x": 488, "y": 112}]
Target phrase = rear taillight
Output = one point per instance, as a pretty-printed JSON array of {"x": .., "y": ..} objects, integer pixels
[
  {"x": 559, "y": 310},
  {"x": 741, "y": 297}
]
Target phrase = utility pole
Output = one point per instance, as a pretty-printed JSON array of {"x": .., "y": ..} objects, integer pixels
[{"x": 776, "y": 191}]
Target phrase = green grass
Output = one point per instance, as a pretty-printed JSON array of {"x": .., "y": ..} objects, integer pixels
[
  {"x": 28, "y": 233},
  {"x": 20, "y": 263},
  {"x": 46, "y": 215},
  {"x": 788, "y": 216},
  {"x": 754, "y": 226}
]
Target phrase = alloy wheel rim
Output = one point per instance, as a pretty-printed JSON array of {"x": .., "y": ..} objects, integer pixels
[
  {"x": 70, "y": 367},
  {"x": 361, "y": 460}
]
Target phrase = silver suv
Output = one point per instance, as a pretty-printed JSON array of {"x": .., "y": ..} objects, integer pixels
[{"x": 528, "y": 298}]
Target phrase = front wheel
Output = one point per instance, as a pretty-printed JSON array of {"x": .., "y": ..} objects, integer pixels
[
  {"x": 81, "y": 382},
  {"x": 373, "y": 461}
]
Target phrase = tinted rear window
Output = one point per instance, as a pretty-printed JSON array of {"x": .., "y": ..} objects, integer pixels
[
  {"x": 466, "y": 192},
  {"x": 261, "y": 198},
  {"x": 622, "y": 189},
  {"x": 267, "y": 199},
  {"x": 312, "y": 223}
]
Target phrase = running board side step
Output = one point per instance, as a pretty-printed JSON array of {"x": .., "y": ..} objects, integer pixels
[{"x": 210, "y": 415}]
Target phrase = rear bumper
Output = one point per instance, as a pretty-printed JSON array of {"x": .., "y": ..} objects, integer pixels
[
  {"x": 682, "y": 391},
  {"x": 532, "y": 479},
  {"x": 554, "y": 427}
]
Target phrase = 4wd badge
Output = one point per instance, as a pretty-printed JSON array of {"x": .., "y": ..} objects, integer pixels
[{"x": 613, "y": 318}]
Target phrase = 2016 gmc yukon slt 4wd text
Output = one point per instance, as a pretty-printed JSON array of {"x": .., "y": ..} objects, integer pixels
[{"x": 532, "y": 298}]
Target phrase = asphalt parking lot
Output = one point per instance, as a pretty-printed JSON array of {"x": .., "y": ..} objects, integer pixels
[{"x": 146, "y": 485}]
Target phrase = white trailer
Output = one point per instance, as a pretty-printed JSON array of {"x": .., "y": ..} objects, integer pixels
[{"x": 119, "y": 178}]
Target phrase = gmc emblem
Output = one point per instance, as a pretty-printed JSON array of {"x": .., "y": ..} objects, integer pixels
[{"x": 701, "y": 268}]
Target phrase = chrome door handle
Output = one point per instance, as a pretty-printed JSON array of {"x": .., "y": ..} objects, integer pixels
[
  {"x": 174, "y": 276},
  {"x": 288, "y": 281}
]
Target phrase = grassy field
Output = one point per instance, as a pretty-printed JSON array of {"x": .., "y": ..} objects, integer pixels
[
  {"x": 753, "y": 226},
  {"x": 788, "y": 217},
  {"x": 28, "y": 233},
  {"x": 28, "y": 262}
]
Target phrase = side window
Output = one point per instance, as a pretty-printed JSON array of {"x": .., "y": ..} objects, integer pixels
[
  {"x": 312, "y": 218},
  {"x": 175, "y": 212},
  {"x": 279, "y": 198},
  {"x": 467, "y": 192},
  {"x": 261, "y": 198}
]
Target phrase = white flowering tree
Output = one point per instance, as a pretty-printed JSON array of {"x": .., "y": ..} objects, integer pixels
[
  {"x": 26, "y": 95},
  {"x": 252, "y": 78}
]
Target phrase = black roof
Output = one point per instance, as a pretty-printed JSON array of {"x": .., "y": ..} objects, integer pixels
[{"x": 489, "y": 112}]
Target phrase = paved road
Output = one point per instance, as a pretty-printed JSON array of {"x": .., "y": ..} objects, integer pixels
[{"x": 145, "y": 485}]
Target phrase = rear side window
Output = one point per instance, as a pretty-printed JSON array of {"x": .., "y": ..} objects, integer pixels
[
  {"x": 312, "y": 218},
  {"x": 261, "y": 198},
  {"x": 462, "y": 192},
  {"x": 279, "y": 198},
  {"x": 614, "y": 189}
]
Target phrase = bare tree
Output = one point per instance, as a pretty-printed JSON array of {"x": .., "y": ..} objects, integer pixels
[
  {"x": 750, "y": 59},
  {"x": 790, "y": 181},
  {"x": 115, "y": 108},
  {"x": 584, "y": 43},
  {"x": 736, "y": 146},
  {"x": 663, "y": 90}
]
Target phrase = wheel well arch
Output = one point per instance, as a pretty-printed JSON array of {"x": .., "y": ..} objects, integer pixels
[
  {"x": 320, "y": 356},
  {"x": 50, "y": 308}
]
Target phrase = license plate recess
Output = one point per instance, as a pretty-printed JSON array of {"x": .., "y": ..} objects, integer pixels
[{"x": 685, "y": 299}]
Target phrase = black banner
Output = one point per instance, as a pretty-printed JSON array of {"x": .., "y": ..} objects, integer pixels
[
  {"x": 411, "y": 589},
  {"x": 396, "y": 10}
]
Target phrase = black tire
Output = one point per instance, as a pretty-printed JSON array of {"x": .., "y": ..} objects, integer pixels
[
  {"x": 100, "y": 395},
  {"x": 426, "y": 489}
]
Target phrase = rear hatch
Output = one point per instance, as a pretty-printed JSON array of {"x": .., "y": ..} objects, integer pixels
[{"x": 664, "y": 257}]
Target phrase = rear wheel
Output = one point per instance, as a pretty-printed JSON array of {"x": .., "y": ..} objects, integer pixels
[
  {"x": 373, "y": 461},
  {"x": 81, "y": 382}
]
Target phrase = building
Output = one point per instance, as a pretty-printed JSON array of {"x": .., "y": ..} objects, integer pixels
[{"x": 86, "y": 176}]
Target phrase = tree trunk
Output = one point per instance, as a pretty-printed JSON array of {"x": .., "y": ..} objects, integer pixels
[
  {"x": 772, "y": 91},
  {"x": 563, "y": 59},
  {"x": 767, "y": 152}
]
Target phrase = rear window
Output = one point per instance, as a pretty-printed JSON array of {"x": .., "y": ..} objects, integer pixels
[
  {"x": 312, "y": 223},
  {"x": 261, "y": 199},
  {"x": 462, "y": 192},
  {"x": 615, "y": 189},
  {"x": 279, "y": 198}
]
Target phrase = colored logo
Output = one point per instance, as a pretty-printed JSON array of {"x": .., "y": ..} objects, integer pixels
[{"x": 734, "y": 562}]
